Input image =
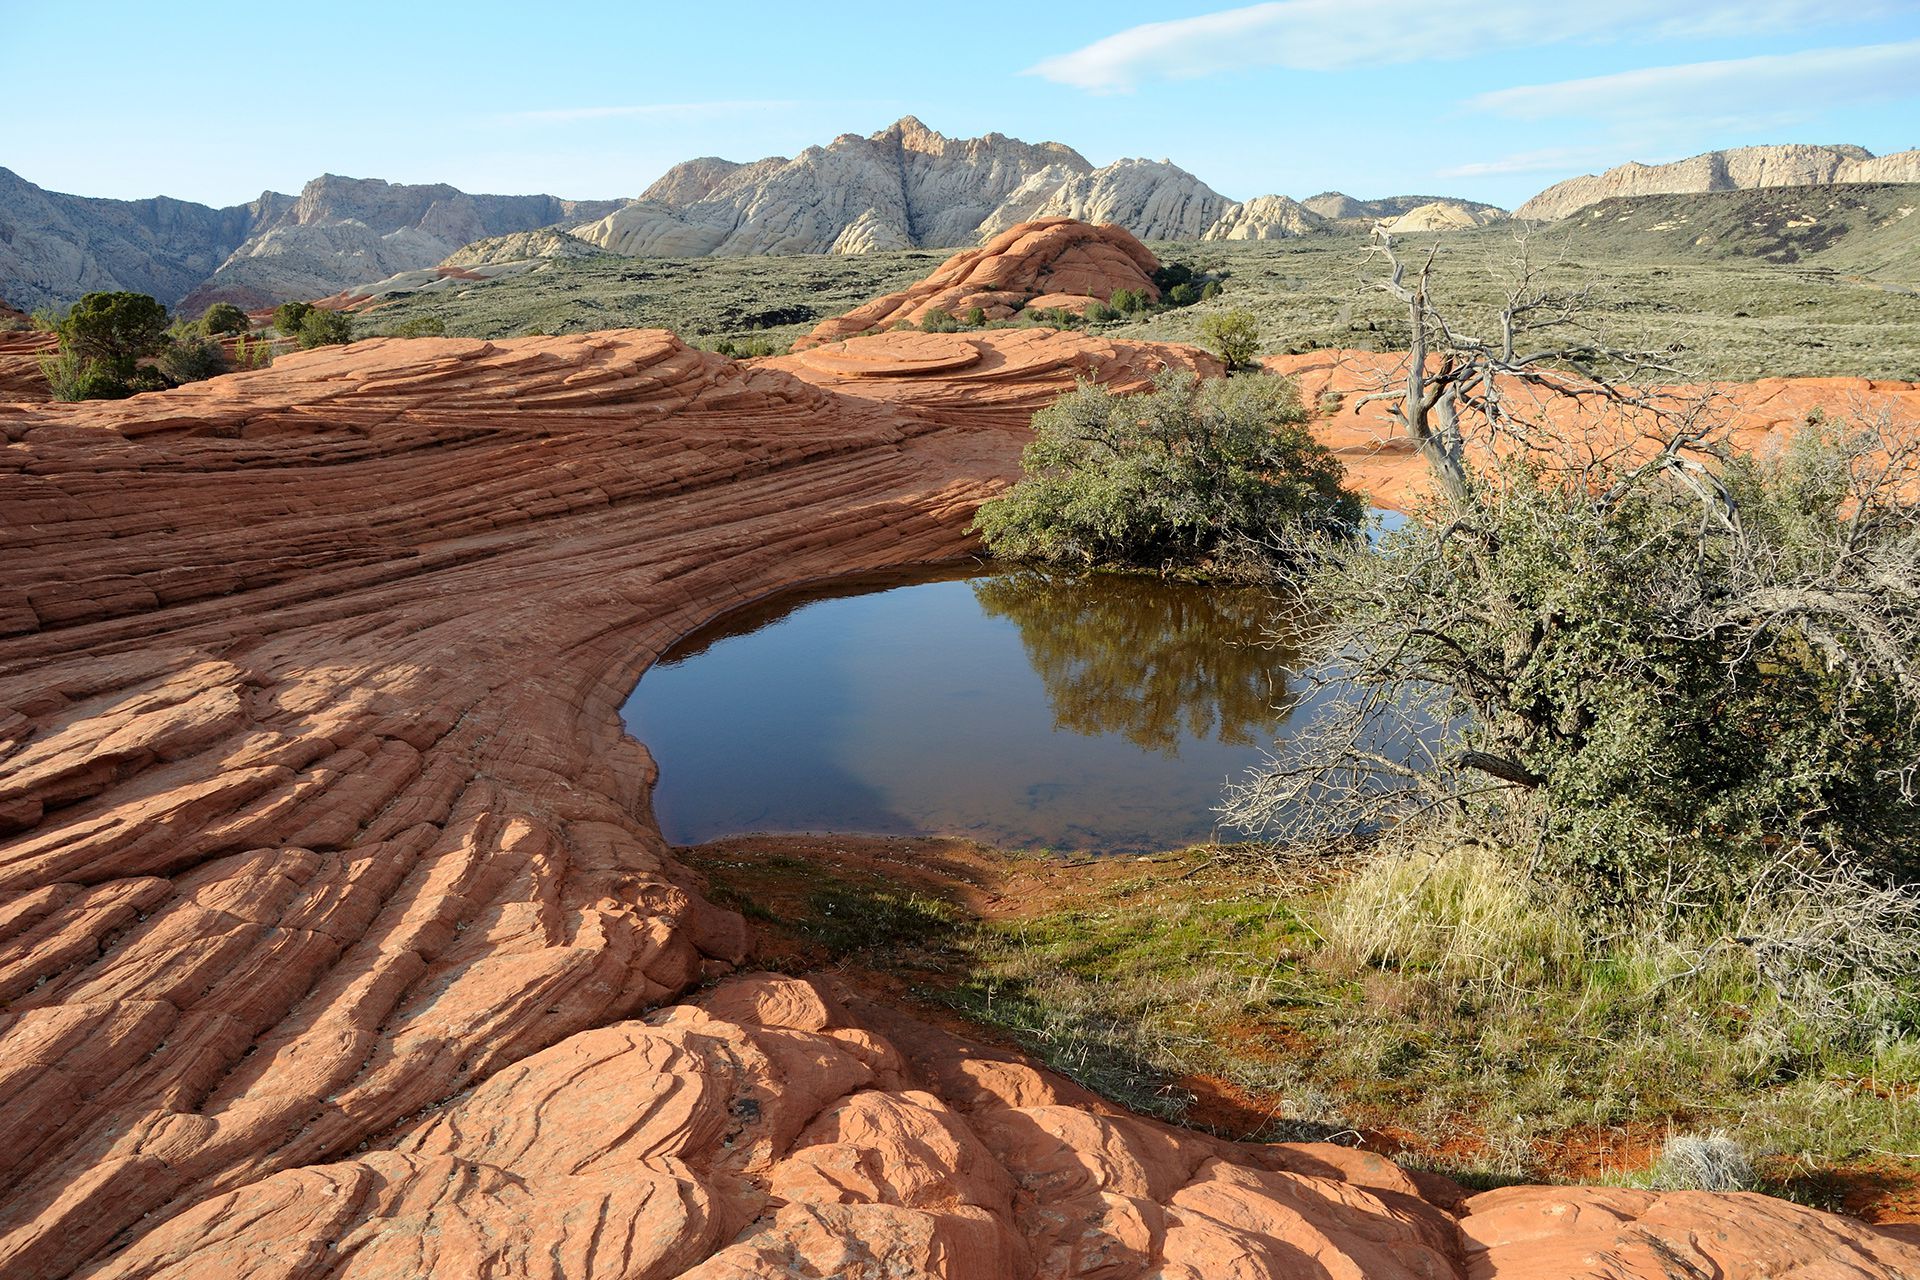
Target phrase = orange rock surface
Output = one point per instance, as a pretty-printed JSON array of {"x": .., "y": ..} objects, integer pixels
[
  {"x": 1382, "y": 462},
  {"x": 1050, "y": 262},
  {"x": 993, "y": 378},
  {"x": 336, "y": 936},
  {"x": 20, "y": 355}
]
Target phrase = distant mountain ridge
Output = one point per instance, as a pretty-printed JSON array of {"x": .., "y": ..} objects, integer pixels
[
  {"x": 910, "y": 187},
  {"x": 55, "y": 247},
  {"x": 903, "y": 187},
  {"x": 1734, "y": 169}
]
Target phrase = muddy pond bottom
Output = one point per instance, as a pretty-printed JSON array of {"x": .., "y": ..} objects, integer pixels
[{"x": 1021, "y": 709}]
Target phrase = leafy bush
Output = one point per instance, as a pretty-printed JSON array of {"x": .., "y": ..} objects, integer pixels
[
  {"x": 323, "y": 328},
  {"x": 1209, "y": 291},
  {"x": 1182, "y": 295},
  {"x": 976, "y": 317},
  {"x": 257, "y": 354},
  {"x": 420, "y": 327},
  {"x": 1233, "y": 335},
  {"x": 1102, "y": 313},
  {"x": 1173, "y": 274},
  {"x": 73, "y": 377},
  {"x": 289, "y": 316},
  {"x": 192, "y": 359},
  {"x": 1192, "y": 473},
  {"x": 114, "y": 331},
  {"x": 938, "y": 321},
  {"x": 224, "y": 317},
  {"x": 1052, "y": 317},
  {"x": 752, "y": 348}
]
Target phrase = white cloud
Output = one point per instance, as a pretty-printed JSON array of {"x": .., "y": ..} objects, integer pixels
[
  {"x": 1816, "y": 77},
  {"x": 1331, "y": 35},
  {"x": 649, "y": 111}
]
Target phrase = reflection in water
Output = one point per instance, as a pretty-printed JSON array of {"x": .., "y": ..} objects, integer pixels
[
  {"x": 1022, "y": 710},
  {"x": 1156, "y": 662}
]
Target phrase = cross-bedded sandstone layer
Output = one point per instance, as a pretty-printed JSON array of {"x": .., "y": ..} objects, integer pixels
[
  {"x": 1045, "y": 263},
  {"x": 336, "y": 938}
]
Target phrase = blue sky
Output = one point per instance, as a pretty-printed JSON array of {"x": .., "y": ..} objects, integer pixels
[{"x": 1488, "y": 99}]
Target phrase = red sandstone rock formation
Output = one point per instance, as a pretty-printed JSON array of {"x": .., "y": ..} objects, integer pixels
[
  {"x": 336, "y": 936},
  {"x": 1051, "y": 262},
  {"x": 20, "y": 354},
  {"x": 996, "y": 378}
]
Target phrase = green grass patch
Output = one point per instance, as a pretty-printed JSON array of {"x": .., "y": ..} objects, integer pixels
[{"x": 1430, "y": 1002}]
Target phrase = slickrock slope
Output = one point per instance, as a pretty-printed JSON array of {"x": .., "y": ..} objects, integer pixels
[
  {"x": 338, "y": 940},
  {"x": 20, "y": 355},
  {"x": 1384, "y": 464},
  {"x": 1738, "y": 169},
  {"x": 984, "y": 379},
  {"x": 1052, "y": 262}
]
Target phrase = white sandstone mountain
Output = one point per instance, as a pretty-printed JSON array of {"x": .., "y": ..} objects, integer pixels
[
  {"x": 910, "y": 187},
  {"x": 1738, "y": 169}
]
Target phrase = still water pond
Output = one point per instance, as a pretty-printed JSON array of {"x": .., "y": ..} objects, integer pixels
[{"x": 1022, "y": 709}]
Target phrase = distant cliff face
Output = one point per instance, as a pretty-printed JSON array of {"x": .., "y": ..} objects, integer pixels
[
  {"x": 910, "y": 187},
  {"x": 1739, "y": 169},
  {"x": 1338, "y": 206},
  {"x": 337, "y": 232},
  {"x": 55, "y": 247},
  {"x": 903, "y": 187},
  {"x": 343, "y": 231}
]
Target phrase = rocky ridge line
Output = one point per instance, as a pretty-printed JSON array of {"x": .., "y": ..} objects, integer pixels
[{"x": 1738, "y": 169}]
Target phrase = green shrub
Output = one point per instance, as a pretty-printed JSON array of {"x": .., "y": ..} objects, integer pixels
[
  {"x": 1233, "y": 335},
  {"x": 1053, "y": 317},
  {"x": 114, "y": 331},
  {"x": 289, "y": 316},
  {"x": 1182, "y": 295},
  {"x": 749, "y": 348},
  {"x": 192, "y": 359},
  {"x": 224, "y": 317},
  {"x": 1194, "y": 473},
  {"x": 976, "y": 317},
  {"x": 73, "y": 377},
  {"x": 257, "y": 354},
  {"x": 1666, "y": 706},
  {"x": 1102, "y": 313},
  {"x": 1171, "y": 275},
  {"x": 1209, "y": 291},
  {"x": 322, "y": 328},
  {"x": 939, "y": 321},
  {"x": 420, "y": 327}
]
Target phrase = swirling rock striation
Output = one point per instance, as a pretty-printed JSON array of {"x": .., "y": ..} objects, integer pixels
[
  {"x": 336, "y": 937},
  {"x": 1050, "y": 262}
]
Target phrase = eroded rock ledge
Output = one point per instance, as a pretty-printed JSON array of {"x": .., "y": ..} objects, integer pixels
[{"x": 336, "y": 936}]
